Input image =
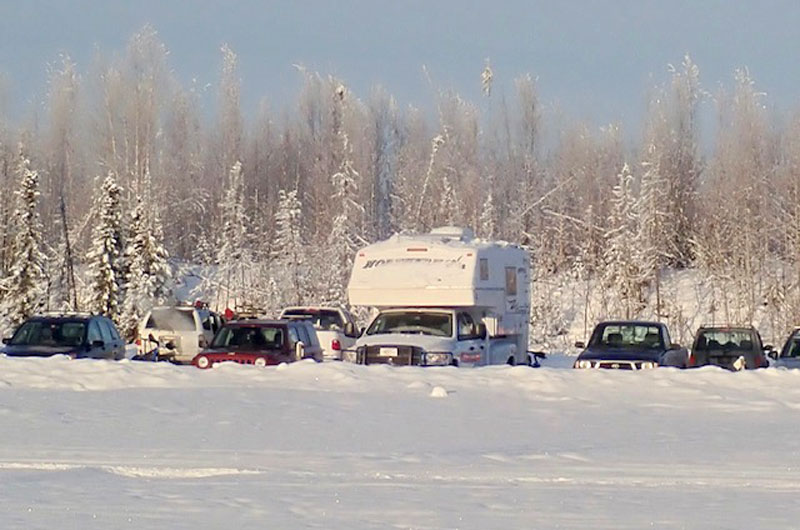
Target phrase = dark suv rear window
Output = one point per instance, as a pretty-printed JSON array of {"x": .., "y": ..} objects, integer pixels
[
  {"x": 249, "y": 337},
  {"x": 171, "y": 319},
  {"x": 726, "y": 339}
]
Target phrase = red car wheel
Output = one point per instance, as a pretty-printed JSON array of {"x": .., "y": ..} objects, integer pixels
[
  {"x": 203, "y": 362},
  {"x": 260, "y": 361}
]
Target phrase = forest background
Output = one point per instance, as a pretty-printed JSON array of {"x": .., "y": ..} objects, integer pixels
[{"x": 121, "y": 185}]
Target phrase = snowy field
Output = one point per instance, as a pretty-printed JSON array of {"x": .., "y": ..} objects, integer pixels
[{"x": 95, "y": 444}]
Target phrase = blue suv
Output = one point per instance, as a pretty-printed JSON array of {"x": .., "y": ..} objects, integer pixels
[{"x": 78, "y": 335}]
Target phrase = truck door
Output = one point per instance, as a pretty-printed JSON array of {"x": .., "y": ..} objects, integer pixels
[
  {"x": 470, "y": 345},
  {"x": 790, "y": 356}
]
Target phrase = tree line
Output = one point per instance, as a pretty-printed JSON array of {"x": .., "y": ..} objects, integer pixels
[{"x": 266, "y": 207}]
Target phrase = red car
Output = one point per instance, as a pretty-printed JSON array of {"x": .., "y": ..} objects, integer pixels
[{"x": 261, "y": 343}]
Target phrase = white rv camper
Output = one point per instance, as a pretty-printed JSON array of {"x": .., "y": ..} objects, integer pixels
[{"x": 445, "y": 298}]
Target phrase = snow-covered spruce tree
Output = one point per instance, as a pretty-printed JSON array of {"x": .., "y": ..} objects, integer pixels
[
  {"x": 420, "y": 216},
  {"x": 233, "y": 256},
  {"x": 105, "y": 268},
  {"x": 288, "y": 252},
  {"x": 653, "y": 237},
  {"x": 148, "y": 272},
  {"x": 448, "y": 213},
  {"x": 25, "y": 286},
  {"x": 346, "y": 231},
  {"x": 622, "y": 275},
  {"x": 230, "y": 117},
  {"x": 487, "y": 226}
]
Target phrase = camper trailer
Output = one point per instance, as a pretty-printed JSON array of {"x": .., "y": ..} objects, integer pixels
[{"x": 443, "y": 298}]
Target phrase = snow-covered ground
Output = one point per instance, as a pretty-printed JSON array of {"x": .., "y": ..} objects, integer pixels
[{"x": 95, "y": 444}]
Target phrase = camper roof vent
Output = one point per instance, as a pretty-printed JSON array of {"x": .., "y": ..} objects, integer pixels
[{"x": 454, "y": 232}]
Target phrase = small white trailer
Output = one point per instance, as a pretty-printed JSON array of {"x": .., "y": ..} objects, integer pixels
[{"x": 444, "y": 298}]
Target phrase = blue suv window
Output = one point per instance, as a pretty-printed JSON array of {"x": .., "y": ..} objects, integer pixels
[{"x": 94, "y": 332}]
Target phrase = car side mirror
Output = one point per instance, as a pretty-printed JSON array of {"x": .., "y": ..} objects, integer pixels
[
  {"x": 151, "y": 338},
  {"x": 481, "y": 331},
  {"x": 350, "y": 330},
  {"x": 361, "y": 331},
  {"x": 773, "y": 355},
  {"x": 580, "y": 344},
  {"x": 299, "y": 350},
  {"x": 98, "y": 344},
  {"x": 769, "y": 347},
  {"x": 6, "y": 340}
]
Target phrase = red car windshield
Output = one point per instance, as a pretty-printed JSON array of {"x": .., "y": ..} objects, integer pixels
[{"x": 249, "y": 338}]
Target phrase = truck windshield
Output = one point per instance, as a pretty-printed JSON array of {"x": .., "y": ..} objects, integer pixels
[
  {"x": 437, "y": 324},
  {"x": 627, "y": 336}
]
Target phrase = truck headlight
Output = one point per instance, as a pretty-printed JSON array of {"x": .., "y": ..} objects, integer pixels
[
  {"x": 438, "y": 359},
  {"x": 583, "y": 364},
  {"x": 648, "y": 365}
]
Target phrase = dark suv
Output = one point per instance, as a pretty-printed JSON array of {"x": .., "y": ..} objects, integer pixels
[
  {"x": 261, "y": 343},
  {"x": 733, "y": 348},
  {"x": 79, "y": 335}
]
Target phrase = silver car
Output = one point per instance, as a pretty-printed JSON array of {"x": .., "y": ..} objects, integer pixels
[
  {"x": 335, "y": 326},
  {"x": 183, "y": 330},
  {"x": 789, "y": 356}
]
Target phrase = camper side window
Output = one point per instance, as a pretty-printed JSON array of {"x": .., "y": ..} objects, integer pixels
[
  {"x": 511, "y": 281},
  {"x": 484, "y": 266}
]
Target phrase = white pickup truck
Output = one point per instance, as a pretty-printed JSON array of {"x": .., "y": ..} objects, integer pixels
[
  {"x": 444, "y": 298},
  {"x": 336, "y": 327}
]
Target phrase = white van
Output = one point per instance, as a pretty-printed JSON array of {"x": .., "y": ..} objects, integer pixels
[{"x": 188, "y": 329}]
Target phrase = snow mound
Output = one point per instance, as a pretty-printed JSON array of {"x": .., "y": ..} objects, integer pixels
[{"x": 438, "y": 392}]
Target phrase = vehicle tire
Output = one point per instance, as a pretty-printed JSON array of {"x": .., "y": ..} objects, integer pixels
[
  {"x": 511, "y": 361},
  {"x": 203, "y": 362},
  {"x": 260, "y": 361}
]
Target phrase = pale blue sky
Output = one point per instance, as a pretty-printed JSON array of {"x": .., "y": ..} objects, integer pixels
[{"x": 594, "y": 59}]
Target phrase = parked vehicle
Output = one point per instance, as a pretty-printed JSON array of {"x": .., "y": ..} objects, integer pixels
[
  {"x": 789, "y": 356},
  {"x": 189, "y": 329},
  {"x": 78, "y": 335},
  {"x": 261, "y": 343},
  {"x": 733, "y": 348},
  {"x": 444, "y": 298},
  {"x": 154, "y": 351},
  {"x": 336, "y": 327},
  {"x": 630, "y": 345}
]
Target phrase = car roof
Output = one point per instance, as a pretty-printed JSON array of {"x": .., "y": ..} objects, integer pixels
[
  {"x": 66, "y": 317},
  {"x": 726, "y": 328},
  {"x": 312, "y": 308},
  {"x": 261, "y": 322},
  {"x": 629, "y": 323}
]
